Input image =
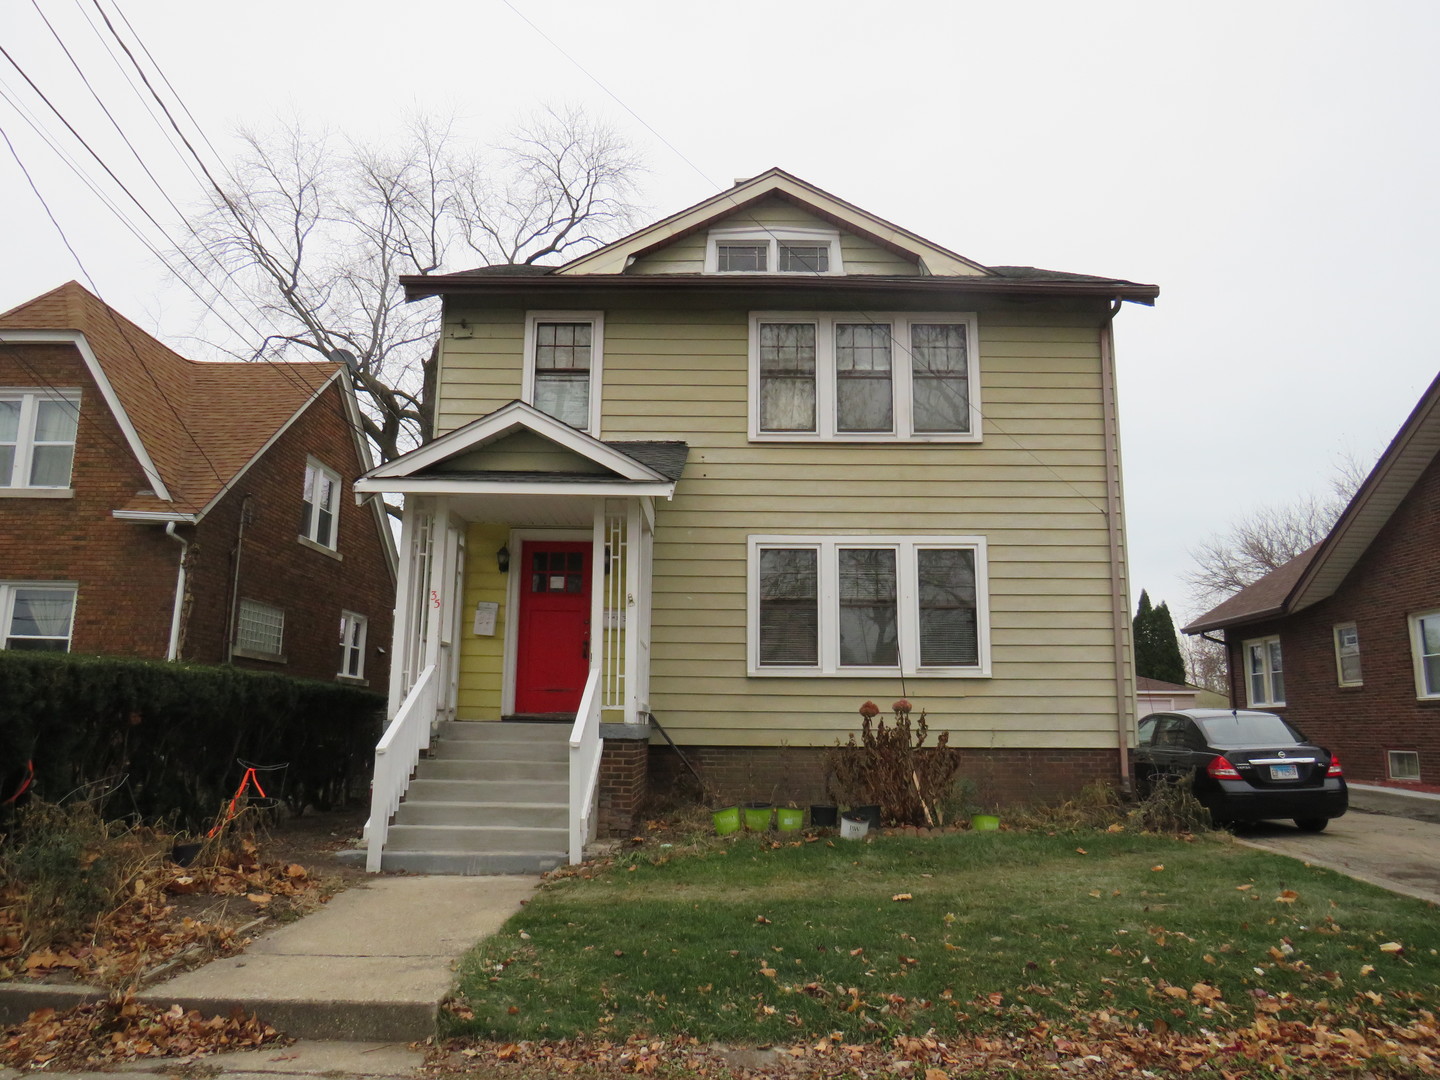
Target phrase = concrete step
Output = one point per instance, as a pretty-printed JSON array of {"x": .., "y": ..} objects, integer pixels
[
  {"x": 442, "y": 769},
  {"x": 477, "y": 839},
  {"x": 491, "y": 731},
  {"x": 532, "y": 792},
  {"x": 470, "y": 864},
  {"x": 506, "y": 814},
  {"x": 448, "y": 749}
]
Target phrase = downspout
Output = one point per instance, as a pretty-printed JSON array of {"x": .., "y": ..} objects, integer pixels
[
  {"x": 1119, "y": 593},
  {"x": 235, "y": 577},
  {"x": 173, "y": 653}
]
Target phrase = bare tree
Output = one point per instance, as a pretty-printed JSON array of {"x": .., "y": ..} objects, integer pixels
[
  {"x": 1205, "y": 663},
  {"x": 1269, "y": 538},
  {"x": 313, "y": 231}
]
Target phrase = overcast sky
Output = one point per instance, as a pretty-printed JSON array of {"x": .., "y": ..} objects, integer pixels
[{"x": 1271, "y": 166}]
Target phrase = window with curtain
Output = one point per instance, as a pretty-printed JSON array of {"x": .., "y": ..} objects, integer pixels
[
  {"x": 1425, "y": 644},
  {"x": 864, "y": 394},
  {"x": 787, "y": 376},
  {"x": 835, "y": 605},
  {"x": 320, "y": 506},
  {"x": 37, "y": 616},
  {"x": 37, "y": 437},
  {"x": 562, "y": 366},
  {"x": 1265, "y": 672},
  {"x": 352, "y": 645}
]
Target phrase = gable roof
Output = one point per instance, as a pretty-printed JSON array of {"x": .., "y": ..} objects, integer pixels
[
  {"x": 179, "y": 416},
  {"x": 941, "y": 270},
  {"x": 1315, "y": 574},
  {"x": 642, "y": 468}
]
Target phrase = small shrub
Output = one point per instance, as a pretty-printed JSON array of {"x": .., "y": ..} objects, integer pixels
[
  {"x": 890, "y": 766},
  {"x": 1171, "y": 808},
  {"x": 1166, "y": 808}
]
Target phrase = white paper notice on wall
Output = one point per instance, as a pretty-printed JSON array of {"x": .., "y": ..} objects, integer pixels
[{"x": 486, "y": 612}]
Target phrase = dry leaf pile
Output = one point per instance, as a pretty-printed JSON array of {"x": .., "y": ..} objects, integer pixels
[
  {"x": 147, "y": 930},
  {"x": 121, "y": 1029}
]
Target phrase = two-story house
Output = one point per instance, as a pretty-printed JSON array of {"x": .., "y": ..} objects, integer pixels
[
  {"x": 738, "y": 472},
  {"x": 157, "y": 507}
]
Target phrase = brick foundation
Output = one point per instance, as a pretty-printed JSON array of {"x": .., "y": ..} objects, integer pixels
[
  {"x": 797, "y": 774},
  {"x": 623, "y": 786}
]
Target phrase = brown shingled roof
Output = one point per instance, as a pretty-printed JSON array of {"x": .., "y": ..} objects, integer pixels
[
  {"x": 1264, "y": 598},
  {"x": 201, "y": 423}
]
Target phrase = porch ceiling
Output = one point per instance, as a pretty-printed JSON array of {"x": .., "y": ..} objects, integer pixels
[{"x": 521, "y": 510}]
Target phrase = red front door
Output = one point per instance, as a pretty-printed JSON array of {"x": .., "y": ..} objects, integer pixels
[{"x": 553, "y": 653}]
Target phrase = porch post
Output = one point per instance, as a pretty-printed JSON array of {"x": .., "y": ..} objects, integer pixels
[
  {"x": 634, "y": 583},
  {"x": 401, "y": 649},
  {"x": 598, "y": 636}
]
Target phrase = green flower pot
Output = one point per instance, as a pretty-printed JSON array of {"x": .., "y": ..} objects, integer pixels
[
  {"x": 789, "y": 818},
  {"x": 726, "y": 821},
  {"x": 984, "y": 822},
  {"x": 757, "y": 818}
]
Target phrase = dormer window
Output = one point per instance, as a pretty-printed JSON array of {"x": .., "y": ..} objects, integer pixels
[{"x": 773, "y": 250}]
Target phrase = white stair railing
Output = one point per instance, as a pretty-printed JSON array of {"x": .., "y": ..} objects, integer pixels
[
  {"x": 585, "y": 749},
  {"x": 396, "y": 755}
]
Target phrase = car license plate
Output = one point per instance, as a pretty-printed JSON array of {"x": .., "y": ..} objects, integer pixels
[{"x": 1284, "y": 772}]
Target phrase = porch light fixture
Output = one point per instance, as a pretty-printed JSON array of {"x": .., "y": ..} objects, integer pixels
[{"x": 502, "y": 559}]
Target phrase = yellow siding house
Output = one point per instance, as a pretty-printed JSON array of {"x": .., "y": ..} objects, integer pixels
[{"x": 733, "y": 475}]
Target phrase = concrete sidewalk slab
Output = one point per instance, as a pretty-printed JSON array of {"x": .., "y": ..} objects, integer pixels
[{"x": 373, "y": 964}]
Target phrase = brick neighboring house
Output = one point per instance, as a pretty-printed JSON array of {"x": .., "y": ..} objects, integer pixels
[
  {"x": 1344, "y": 640},
  {"x": 157, "y": 507}
]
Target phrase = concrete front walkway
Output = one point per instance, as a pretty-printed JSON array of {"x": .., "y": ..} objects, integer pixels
[{"x": 372, "y": 965}]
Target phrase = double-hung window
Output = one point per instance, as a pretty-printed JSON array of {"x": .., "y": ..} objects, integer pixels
[
  {"x": 773, "y": 250},
  {"x": 1347, "y": 655},
  {"x": 863, "y": 377},
  {"x": 866, "y": 605},
  {"x": 320, "y": 517},
  {"x": 352, "y": 645},
  {"x": 1425, "y": 647},
  {"x": 37, "y": 437},
  {"x": 562, "y": 366},
  {"x": 37, "y": 615},
  {"x": 1265, "y": 676}
]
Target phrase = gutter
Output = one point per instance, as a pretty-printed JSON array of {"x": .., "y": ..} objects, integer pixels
[
  {"x": 1125, "y": 703},
  {"x": 173, "y": 652}
]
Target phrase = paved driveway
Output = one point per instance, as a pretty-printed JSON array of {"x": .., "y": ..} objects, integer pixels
[{"x": 1393, "y": 852}]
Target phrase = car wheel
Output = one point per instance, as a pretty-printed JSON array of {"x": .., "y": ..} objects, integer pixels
[{"x": 1311, "y": 824}]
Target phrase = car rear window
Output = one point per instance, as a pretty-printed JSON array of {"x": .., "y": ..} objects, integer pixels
[{"x": 1249, "y": 729}]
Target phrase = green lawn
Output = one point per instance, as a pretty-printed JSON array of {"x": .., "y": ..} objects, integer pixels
[{"x": 748, "y": 943}]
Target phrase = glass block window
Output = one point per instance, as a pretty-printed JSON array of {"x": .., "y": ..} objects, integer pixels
[
  {"x": 1404, "y": 764},
  {"x": 260, "y": 628}
]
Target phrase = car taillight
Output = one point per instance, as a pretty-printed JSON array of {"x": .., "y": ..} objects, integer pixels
[
  {"x": 1221, "y": 769},
  {"x": 1334, "y": 769}
]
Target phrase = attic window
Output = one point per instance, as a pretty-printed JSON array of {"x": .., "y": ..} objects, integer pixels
[{"x": 773, "y": 250}]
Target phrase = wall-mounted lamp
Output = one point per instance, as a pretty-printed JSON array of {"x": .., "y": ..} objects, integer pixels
[{"x": 502, "y": 559}]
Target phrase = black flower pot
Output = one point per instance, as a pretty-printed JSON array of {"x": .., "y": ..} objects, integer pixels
[
  {"x": 870, "y": 813},
  {"x": 824, "y": 817}
]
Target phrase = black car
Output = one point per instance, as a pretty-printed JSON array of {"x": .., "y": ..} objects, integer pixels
[{"x": 1248, "y": 766}]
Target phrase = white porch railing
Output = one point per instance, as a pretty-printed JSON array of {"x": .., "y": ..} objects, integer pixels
[
  {"x": 396, "y": 754},
  {"x": 585, "y": 749}
]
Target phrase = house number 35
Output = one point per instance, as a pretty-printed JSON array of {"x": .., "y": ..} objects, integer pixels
[{"x": 435, "y": 597}]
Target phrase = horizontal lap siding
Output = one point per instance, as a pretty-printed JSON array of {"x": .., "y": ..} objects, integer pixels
[
  {"x": 481, "y": 371},
  {"x": 1035, "y": 488}
]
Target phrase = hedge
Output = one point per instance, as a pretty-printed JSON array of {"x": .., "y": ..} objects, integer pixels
[{"x": 167, "y": 737}]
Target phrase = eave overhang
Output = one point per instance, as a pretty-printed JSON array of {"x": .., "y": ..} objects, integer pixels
[
  {"x": 761, "y": 290},
  {"x": 460, "y": 485}
]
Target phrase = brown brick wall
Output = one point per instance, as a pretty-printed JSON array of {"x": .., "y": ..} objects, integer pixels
[
  {"x": 1397, "y": 575},
  {"x": 623, "y": 786},
  {"x": 797, "y": 774},
  {"x": 126, "y": 572}
]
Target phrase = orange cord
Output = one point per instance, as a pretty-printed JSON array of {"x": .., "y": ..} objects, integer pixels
[{"x": 249, "y": 778}]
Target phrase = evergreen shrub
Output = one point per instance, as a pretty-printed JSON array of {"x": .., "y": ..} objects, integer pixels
[{"x": 167, "y": 736}]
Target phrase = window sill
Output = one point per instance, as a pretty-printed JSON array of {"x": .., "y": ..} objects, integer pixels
[
  {"x": 268, "y": 657},
  {"x": 352, "y": 680},
  {"x": 858, "y": 438},
  {"x": 36, "y": 493},
  {"x": 305, "y": 541}
]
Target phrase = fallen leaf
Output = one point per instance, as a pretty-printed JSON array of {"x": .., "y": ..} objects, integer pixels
[
  {"x": 1367, "y": 969},
  {"x": 902, "y": 896},
  {"x": 1081, "y": 851},
  {"x": 1157, "y": 867},
  {"x": 261, "y": 898},
  {"x": 1392, "y": 947},
  {"x": 1289, "y": 896},
  {"x": 1243, "y": 888},
  {"x": 761, "y": 919}
]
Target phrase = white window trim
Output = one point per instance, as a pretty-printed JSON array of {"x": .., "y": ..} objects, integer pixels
[
  {"x": 7, "y": 606},
  {"x": 596, "y": 319},
  {"x": 773, "y": 237},
  {"x": 1339, "y": 655},
  {"x": 1418, "y": 657},
  {"x": 825, "y": 393},
  {"x": 25, "y": 437},
  {"x": 907, "y": 605},
  {"x": 312, "y": 523},
  {"x": 347, "y": 620},
  {"x": 1245, "y": 648}
]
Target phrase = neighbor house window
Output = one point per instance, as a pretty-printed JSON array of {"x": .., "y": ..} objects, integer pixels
[
  {"x": 866, "y": 605},
  {"x": 37, "y": 437},
  {"x": 352, "y": 645},
  {"x": 37, "y": 616},
  {"x": 1347, "y": 654},
  {"x": 773, "y": 249},
  {"x": 1265, "y": 677},
  {"x": 562, "y": 366},
  {"x": 1404, "y": 765},
  {"x": 321, "y": 514},
  {"x": 863, "y": 377},
  {"x": 260, "y": 630},
  {"x": 1425, "y": 646}
]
